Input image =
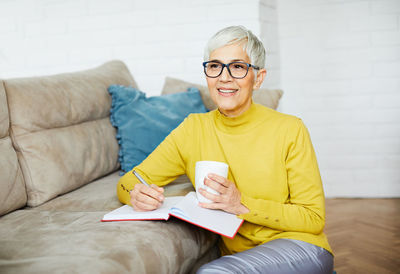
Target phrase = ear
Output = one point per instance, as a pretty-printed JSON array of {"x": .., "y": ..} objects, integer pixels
[{"x": 260, "y": 78}]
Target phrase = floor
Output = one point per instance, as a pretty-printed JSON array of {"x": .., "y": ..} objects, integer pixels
[{"x": 364, "y": 235}]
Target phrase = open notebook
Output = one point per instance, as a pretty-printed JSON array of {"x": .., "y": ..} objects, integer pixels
[{"x": 185, "y": 208}]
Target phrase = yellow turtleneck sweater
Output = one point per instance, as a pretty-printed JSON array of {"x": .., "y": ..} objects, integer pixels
[{"x": 271, "y": 160}]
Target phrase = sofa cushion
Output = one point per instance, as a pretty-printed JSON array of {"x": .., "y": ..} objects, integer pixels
[
  {"x": 13, "y": 193},
  {"x": 100, "y": 195},
  {"x": 143, "y": 123},
  {"x": 61, "y": 129},
  {"x": 65, "y": 234},
  {"x": 77, "y": 242},
  {"x": 4, "y": 117},
  {"x": 267, "y": 97}
]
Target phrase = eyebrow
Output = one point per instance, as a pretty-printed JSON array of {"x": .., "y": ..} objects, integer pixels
[{"x": 234, "y": 60}]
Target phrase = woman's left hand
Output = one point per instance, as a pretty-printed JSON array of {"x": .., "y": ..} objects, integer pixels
[{"x": 229, "y": 198}]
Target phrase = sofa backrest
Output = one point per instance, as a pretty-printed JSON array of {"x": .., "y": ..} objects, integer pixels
[
  {"x": 267, "y": 97},
  {"x": 61, "y": 129},
  {"x": 12, "y": 186}
]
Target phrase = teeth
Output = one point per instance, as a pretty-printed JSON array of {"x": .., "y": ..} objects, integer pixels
[{"x": 227, "y": 90}]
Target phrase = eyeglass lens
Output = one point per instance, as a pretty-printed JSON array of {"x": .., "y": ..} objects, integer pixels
[{"x": 236, "y": 70}]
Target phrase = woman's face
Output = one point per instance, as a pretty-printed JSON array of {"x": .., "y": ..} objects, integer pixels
[{"x": 233, "y": 96}]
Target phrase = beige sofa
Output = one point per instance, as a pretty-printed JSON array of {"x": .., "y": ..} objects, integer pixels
[{"x": 58, "y": 174}]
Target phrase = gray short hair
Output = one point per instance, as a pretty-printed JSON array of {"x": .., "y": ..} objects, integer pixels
[{"x": 238, "y": 34}]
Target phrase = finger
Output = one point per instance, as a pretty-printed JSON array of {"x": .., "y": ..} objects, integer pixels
[
  {"x": 150, "y": 191},
  {"x": 219, "y": 179},
  {"x": 211, "y": 205},
  {"x": 140, "y": 193},
  {"x": 213, "y": 197},
  {"x": 157, "y": 188},
  {"x": 214, "y": 185},
  {"x": 146, "y": 199},
  {"x": 139, "y": 206},
  {"x": 135, "y": 203}
]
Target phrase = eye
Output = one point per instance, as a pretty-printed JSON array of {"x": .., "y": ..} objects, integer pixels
[
  {"x": 238, "y": 66},
  {"x": 214, "y": 65}
]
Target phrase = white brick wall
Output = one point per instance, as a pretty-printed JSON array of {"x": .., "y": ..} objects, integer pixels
[
  {"x": 340, "y": 70},
  {"x": 337, "y": 61},
  {"x": 154, "y": 38}
]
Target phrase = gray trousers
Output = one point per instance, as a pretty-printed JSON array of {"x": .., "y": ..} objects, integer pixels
[{"x": 282, "y": 256}]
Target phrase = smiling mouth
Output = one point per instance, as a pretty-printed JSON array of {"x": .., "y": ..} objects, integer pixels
[{"x": 227, "y": 91}]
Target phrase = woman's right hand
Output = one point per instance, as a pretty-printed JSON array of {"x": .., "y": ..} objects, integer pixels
[{"x": 146, "y": 198}]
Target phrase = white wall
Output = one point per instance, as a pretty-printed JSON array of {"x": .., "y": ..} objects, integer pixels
[
  {"x": 154, "y": 38},
  {"x": 340, "y": 70},
  {"x": 338, "y": 62}
]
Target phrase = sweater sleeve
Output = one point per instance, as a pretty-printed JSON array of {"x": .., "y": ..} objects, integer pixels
[
  {"x": 304, "y": 210},
  {"x": 161, "y": 167}
]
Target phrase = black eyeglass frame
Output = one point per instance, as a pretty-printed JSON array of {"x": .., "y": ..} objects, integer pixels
[{"x": 227, "y": 67}]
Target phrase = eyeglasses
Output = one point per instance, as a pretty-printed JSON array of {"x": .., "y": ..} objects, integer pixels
[{"x": 237, "y": 70}]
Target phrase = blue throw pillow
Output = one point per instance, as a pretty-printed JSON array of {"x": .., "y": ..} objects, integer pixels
[{"x": 142, "y": 123}]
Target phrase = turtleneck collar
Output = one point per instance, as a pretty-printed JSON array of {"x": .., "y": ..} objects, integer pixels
[{"x": 238, "y": 124}]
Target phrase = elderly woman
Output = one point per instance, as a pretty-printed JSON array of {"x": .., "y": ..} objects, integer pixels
[{"x": 273, "y": 182}]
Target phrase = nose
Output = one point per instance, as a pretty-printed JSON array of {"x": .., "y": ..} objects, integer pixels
[{"x": 225, "y": 75}]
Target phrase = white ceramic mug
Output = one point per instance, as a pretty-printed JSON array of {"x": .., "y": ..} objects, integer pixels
[{"x": 203, "y": 168}]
